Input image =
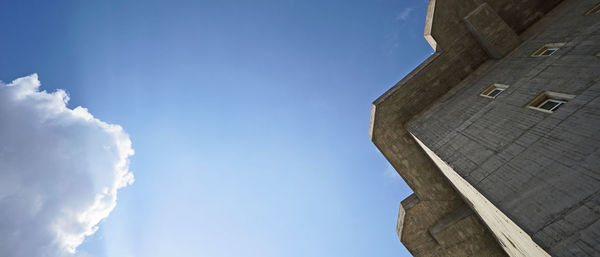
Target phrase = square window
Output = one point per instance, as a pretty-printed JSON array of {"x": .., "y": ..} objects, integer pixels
[
  {"x": 549, "y": 102},
  {"x": 493, "y": 91},
  {"x": 547, "y": 50},
  {"x": 595, "y": 9}
]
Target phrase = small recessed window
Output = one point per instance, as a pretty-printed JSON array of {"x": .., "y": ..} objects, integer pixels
[
  {"x": 493, "y": 91},
  {"x": 597, "y": 53},
  {"x": 549, "y": 102},
  {"x": 547, "y": 50},
  {"x": 595, "y": 9}
]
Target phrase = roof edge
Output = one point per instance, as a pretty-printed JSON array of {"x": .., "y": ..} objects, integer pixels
[
  {"x": 408, "y": 76},
  {"x": 429, "y": 24}
]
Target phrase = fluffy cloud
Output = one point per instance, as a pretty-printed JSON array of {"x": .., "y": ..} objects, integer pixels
[
  {"x": 404, "y": 14},
  {"x": 60, "y": 170}
]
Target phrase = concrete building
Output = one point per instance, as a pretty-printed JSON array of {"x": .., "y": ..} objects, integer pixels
[{"x": 498, "y": 132}]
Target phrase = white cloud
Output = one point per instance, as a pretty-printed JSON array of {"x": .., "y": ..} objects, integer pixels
[
  {"x": 404, "y": 14},
  {"x": 60, "y": 170},
  {"x": 83, "y": 254}
]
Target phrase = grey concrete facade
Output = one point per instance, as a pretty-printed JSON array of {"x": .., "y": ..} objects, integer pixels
[{"x": 539, "y": 169}]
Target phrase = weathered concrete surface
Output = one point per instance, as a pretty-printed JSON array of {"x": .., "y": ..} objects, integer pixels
[
  {"x": 512, "y": 238},
  {"x": 444, "y": 23},
  {"x": 490, "y": 30},
  {"x": 542, "y": 170},
  {"x": 437, "y": 199},
  {"x": 455, "y": 236},
  {"x": 462, "y": 56}
]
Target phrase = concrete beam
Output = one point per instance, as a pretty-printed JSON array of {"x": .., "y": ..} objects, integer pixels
[
  {"x": 514, "y": 241},
  {"x": 490, "y": 30}
]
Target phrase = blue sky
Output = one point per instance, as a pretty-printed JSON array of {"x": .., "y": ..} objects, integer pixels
[{"x": 249, "y": 119}]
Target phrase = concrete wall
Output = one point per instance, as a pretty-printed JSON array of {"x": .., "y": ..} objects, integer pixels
[
  {"x": 514, "y": 241},
  {"x": 542, "y": 170},
  {"x": 435, "y": 228}
]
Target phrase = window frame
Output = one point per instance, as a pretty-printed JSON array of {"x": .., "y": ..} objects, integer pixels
[
  {"x": 492, "y": 88},
  {"x": 557, "y": 103},
  {"x": 554, "y": 47},
  {"x": 548, "y": 96},
  {"x": 552, "y": 50}
]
